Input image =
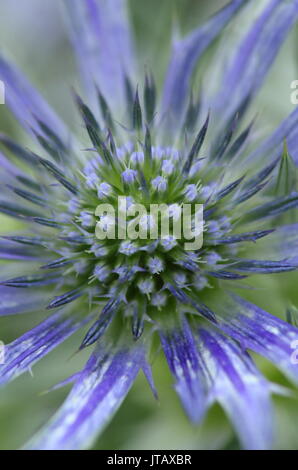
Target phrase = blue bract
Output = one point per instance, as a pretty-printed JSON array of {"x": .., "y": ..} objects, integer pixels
[{"x": 149, "y": 146}]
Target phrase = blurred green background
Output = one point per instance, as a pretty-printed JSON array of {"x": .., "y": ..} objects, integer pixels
[{"x": 33, "y": 33}]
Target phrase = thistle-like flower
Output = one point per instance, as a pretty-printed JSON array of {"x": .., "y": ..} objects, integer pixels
[{"x": 128, "y": 290}]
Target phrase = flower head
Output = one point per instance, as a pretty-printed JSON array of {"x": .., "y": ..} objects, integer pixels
[{"x": 129, "y": 289}]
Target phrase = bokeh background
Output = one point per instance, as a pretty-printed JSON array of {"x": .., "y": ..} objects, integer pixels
[{"x": 33, "y": 34}]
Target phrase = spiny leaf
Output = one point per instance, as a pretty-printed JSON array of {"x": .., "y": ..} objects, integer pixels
[
  {"x": 58, "y": 263},
  {"x": 94, "y": 132},
  {"x": 48, "y": 146},
  {"x": 187, "y": 300},
  {"x": 112, "y": 143},
  {"x": 31, "y": 197},
  {"x": 143, "y": 181},
  {"x": 66, "y": 298},
  {"x": 15, "y": 210},
  {"x": 228, "y": 189},
  {"x": 261, "y": 176},
  {"x": 205, "y": 311},
  {"x": 226, "y": 275},
  {"x": 29, "y": 281},
  {"x": 105, "y": 111},
  {"x": 29, "y": 182},
  {"x": 90, "y": 122},
  {"x": 149, "y": 97},
  {"x": 86, "y": 113},
  {"x": 240, "y": 141},
  {"x": 34, "y": 241},
  {"x": 147, "y": 153},
  {"x": 287, "y": 174},
  {"x": 222, "y": 144},
  {"x": 17, "y": 150},
  {"x": 77, "y": 240},
  {"x": 137, "y": 324},
  {"x": 100, "y": 326},
  {"x": 192, "y": 113},
  {"x": 47, "y": 222},
  {"x": 272, "y": 208},
  {"x": 50, "y": 141},
  {"x": 196, "y": 146},
  {"x": 52, "y": 136},
  {"x": 178, "y": 293},
  {"x": 244, "y": 196},
  {"x": 241, "y": 237},
  {"x": 137, "y": 118},
  {"x": 57, "y": 173},
  {"x": 264, "y": 266}
]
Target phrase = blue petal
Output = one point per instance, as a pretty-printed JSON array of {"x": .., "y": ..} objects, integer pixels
[
  {"x": 254, "y": 57},
  {"x": 8, "y": 167},
  {"x": 260, "y": 266},
  {"x": 15, "y": 301},
  {"x": 97, "y": 394},
  {"x": 12, "y": 251},
  {"x": 25, "y": 351},
  {"x": 242, "y": 237},
  {"x": 273, "y": 146},
  {"x": 147, "y": 370},
  {"x": 185, "y": 55},
  {"x": 239, "y": 388},
  {"x": 272, "y": 208},
  {"x": 25, "y": 102},
  {"x": 283, "y": 241},
  {"x": 182, "y": 355},
  {"x": 209, "y": 367},
  {"x": 100, "y": 35},
  {"x": 263, "y": 333}
]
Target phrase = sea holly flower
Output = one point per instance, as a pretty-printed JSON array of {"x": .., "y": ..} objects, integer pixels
[{"x": 152, "y": 146}]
